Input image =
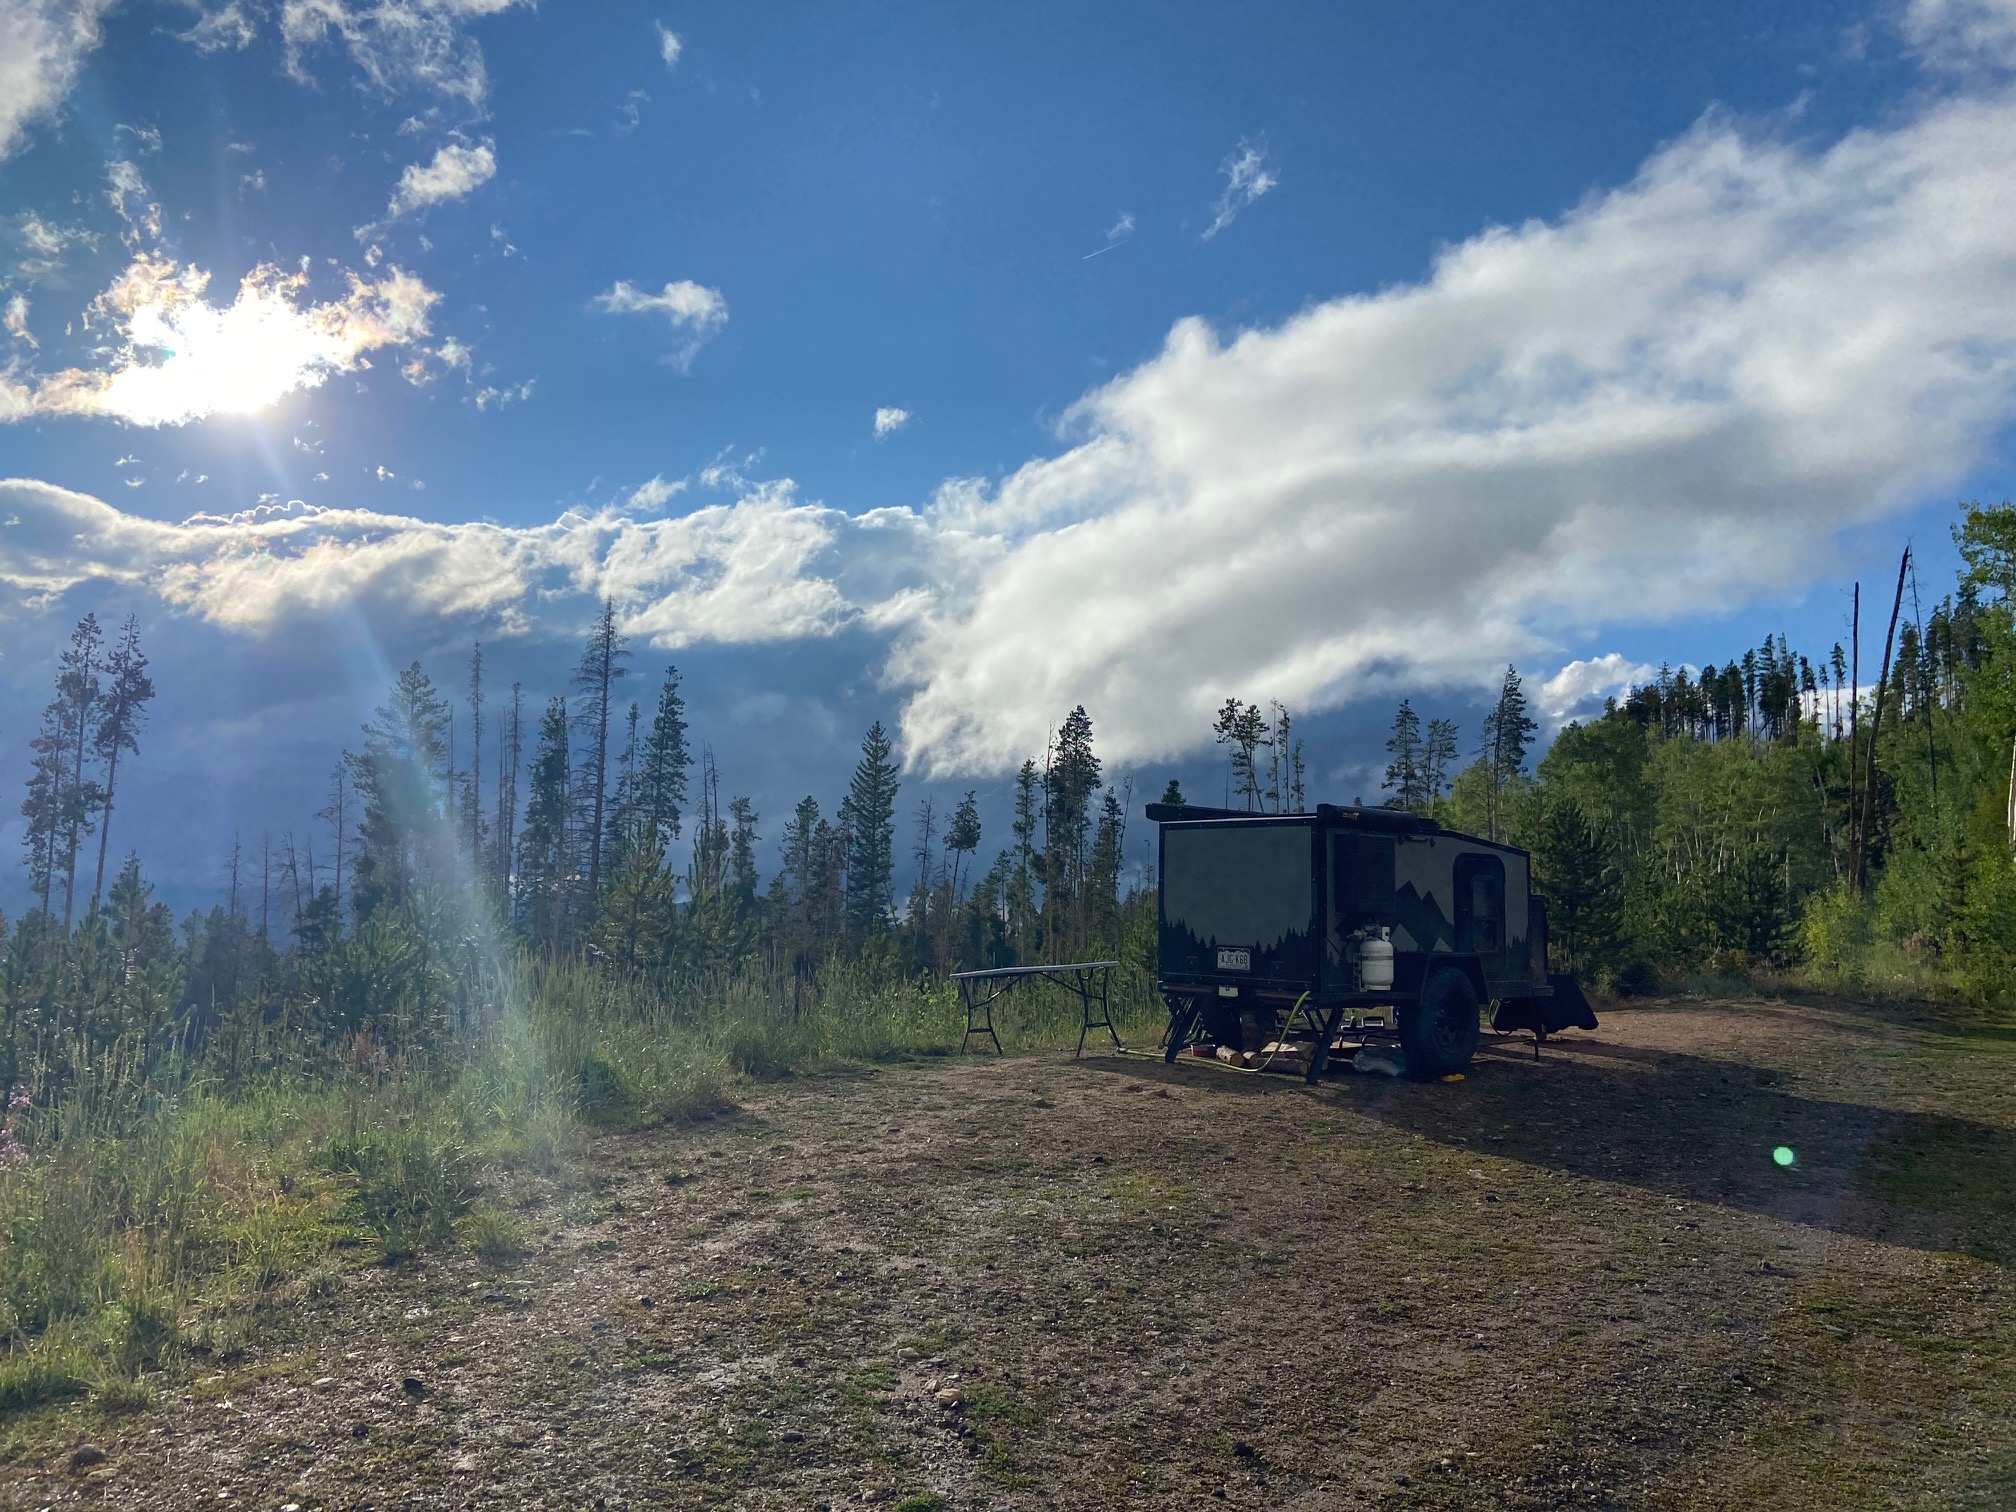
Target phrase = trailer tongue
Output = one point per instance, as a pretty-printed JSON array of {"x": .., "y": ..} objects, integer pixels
[{"x": 1346, "y": 926}]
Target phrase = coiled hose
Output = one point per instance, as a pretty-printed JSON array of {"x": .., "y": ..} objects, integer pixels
[{"x": 1280, "y": 1040}]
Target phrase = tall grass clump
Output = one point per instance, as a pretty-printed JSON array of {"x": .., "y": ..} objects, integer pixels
[{"x": 158, "y": 1189}]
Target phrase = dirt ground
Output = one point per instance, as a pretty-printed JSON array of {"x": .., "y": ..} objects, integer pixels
[{"x": 1038, "y": 1283}]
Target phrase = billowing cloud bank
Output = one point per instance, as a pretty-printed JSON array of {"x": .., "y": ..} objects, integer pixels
[
  {"x": 765, "y": 568},
  {"x": 1667, "y": 401}
]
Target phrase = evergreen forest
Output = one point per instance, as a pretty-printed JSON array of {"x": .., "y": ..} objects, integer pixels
[{"x": 393, "y": 1023}]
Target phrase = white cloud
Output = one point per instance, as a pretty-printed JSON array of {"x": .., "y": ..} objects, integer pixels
[
  {"x": 146, "y": 138},
  {"x": 669, "y": 45},
  {"x": 765, "y": 568},
  {"x": 398, "y": 45},
  {"x": 1667, "y": 402},
  {"x": 227, "y": 29},
  {"x": 42, "y": 247},
  {"x": 888, "y": 421},
  {"x": 654, "y": 494},
  {"x": 15, "y": 321},
  {"x": 43, "y": 44},
  {"x": 176, "y": 357},
  {"x": 128, "y": 196},
  {"x": 492, "y": 397},
  {"x": 1962, "y": 35},
  {"x": 1579, "y": 689},
  {"x": 1246, "y": 179},
  {"x": 692, "y": 308},
  {"x": 455, "y": 171}
]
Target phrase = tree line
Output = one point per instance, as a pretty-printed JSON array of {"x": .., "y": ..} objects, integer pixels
[
  {"x": 461, "y": 827},
  {"x": 1776, "y": 810},
  {"x": 1848, "y": 810}
]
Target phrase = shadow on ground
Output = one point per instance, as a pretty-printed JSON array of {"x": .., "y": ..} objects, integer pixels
[{"x": 1692, "y": 1127}]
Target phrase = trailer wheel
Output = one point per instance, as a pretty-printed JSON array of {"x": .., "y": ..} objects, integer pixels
[{"x": 1439, "y": 1033}]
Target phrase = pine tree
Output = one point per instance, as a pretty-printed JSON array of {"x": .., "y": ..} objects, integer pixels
[
  {"x": 1406, "y": 775},
  {"x": 868, "y": 815},
  {"x": 1069, "y": 781},
  {"x": 742, "y": 842},
  {"x": 472, "y": 806},
  {"x": 1172, "y": 794},
  {"x": 635, "y": 926},
  {"x": 121, "y": 716},
  {"x": 546, "y": 867},
  {"x": 43, "y": 807},
  {"x": 1103, "y": 874},
  {"x": 1241, "y": 727},
  {"x": 661, "y": 772},
  {"x": 1438, "y": 750},
  {"x": 1508, "y": 731},
  {"x": 1584, "y": 892},
  {"x": 596, "y": 677},
  {"x": 1023, "y": 920},
  {"x": 623, "y": 810},
  {"x": 77, "y": 694},
  {"x": 962, "y": 836},
  {"x": 803, "y": 875},
  {"x": 405, "y": 835}
]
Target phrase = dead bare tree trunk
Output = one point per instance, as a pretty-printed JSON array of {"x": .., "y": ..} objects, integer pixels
[
  {"x": 1876, "y": 730},
  {"x": 1854, "y": 741}
]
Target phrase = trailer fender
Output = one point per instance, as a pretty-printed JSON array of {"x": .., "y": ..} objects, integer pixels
[
  {"x": 1472, "y": 969},
  {"x": 1564, "y": 1008},
  {"x": 1412, "y": 970}
]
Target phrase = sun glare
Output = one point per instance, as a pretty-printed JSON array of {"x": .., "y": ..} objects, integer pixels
[{"x": 183, "y": 358}]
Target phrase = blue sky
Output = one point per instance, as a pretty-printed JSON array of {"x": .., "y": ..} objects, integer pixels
[{"x": 1327, "y": 353}]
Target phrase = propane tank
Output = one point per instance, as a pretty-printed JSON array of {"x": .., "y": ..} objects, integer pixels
[{"x": 1375, "y": 962}]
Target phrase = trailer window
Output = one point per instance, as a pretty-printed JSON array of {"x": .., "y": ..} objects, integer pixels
[{"x": 1480, "y": 904}]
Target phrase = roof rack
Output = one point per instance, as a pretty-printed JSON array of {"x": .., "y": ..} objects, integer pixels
[{"x": 1392, "y": 821}]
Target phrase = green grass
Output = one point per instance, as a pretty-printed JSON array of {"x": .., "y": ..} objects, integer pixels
[
  {"x": 494, "y": 1234},
  {"x": 156, "y": 1200}
]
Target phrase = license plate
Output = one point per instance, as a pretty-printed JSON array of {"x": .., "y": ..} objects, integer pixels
[{"x": 1235, "y": 960}]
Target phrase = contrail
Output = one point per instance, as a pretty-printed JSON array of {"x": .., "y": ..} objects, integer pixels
[{"x": 1107, "y": 248}]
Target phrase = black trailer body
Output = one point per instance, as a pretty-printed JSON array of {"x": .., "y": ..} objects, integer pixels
[{"x": 1298, "y": 913}]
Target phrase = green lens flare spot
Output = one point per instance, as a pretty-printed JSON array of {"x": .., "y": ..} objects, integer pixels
[{"x": 1784, "y": 1156}]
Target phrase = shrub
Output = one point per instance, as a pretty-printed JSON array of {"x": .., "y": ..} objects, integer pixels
[
  {"x": 493, "y": 1234},
  {"x": 142, "y": 1330},
  {"x": 119, "y": 1393},
  {"x": 412, "y": 1184},
  {"x": 50, "y": 1370}
]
